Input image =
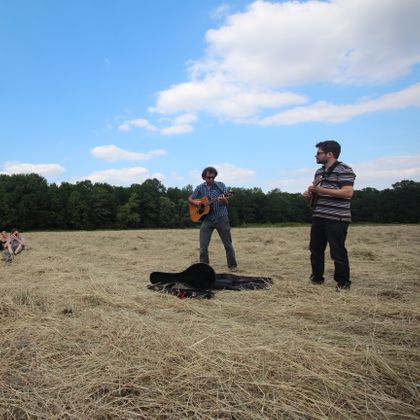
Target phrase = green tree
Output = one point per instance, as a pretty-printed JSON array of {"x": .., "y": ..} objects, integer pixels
[
  {"x": 406, "y": 199},
  {"x": 78, "y": 212},
  {"x": 149, "y": 194},
  {"x": 168, "y": 216},
  {"x": 278, "y": 208},
  {"x": 365, "y": 206},
  {"x": 128, "y": 214},
  {"x": 28, "y": 202},
  {"x": 104, "y": 205},
  {"x": 24, "y": 201}
]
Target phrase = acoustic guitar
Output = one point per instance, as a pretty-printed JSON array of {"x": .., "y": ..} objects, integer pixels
[
  {"x": 314, "y": 196},
  {"x": 196, "y": 213}
]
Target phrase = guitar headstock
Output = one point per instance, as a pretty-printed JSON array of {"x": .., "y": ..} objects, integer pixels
[{"x": 228, "y": 193}]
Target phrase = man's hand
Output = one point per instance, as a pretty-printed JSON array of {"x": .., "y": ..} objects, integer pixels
[
  {"x": 194, "y": 201},
  {"x": 307, "y": 193},
  {"x": 344, "y": 192},
  {"x": 197, "y": 203},
  {"x": 315, "y": 189},
  {"x": 222, "y": 199}
]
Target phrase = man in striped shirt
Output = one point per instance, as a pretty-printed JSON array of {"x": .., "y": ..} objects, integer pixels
[
  {"x": 217, "y": 218},
  {"x": 330, "y": 195}
]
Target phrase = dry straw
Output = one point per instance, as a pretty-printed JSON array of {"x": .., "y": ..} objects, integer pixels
[{"x": 82, "y": 337}]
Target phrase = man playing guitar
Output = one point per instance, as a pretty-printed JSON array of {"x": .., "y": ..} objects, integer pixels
[
  {"x": 330, "y": 195},
  {"x": 217, "y": 218}
]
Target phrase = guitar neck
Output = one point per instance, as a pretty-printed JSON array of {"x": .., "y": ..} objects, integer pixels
[
  {"x": 314, "y": 196},
  {"x": 214, "y": 199}
]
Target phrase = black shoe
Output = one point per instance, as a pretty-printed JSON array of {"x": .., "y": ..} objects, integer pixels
[
  {"x": 342, "y": 286},
  {"x": 314, "y": 280}
]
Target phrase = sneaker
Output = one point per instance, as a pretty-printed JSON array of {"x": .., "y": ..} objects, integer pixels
[
  {"x": 314, "y": 280},
  {"x": 342, "y": 286},
  {"x": 233, "y": 269},
  {"x": 8, "y": 257}
]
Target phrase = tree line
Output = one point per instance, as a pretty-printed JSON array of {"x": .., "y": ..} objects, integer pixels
[{"x": 28, "y": 202}]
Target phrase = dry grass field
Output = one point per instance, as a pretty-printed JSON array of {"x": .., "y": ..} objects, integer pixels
[{"x": 83, "y": 338}]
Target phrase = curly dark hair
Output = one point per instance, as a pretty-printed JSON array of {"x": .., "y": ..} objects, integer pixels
[{"x": 209, "y": 169}]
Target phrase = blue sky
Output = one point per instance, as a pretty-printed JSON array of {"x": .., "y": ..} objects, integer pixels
[{"x": 121, "y": 91}]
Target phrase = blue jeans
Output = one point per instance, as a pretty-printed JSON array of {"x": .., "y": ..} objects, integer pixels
[
  {"x": 223, "y": 229},
  {"x": 333, "y": 232}
]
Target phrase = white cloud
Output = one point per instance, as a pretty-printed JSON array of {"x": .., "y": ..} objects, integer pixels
[
  {"x": 138, "y": 123},
  {"x": 185, "y": 119},
  {"x": 180, "y": 125},
  {"x": 177, "y": 129},
  {"x": 228, "y": 174},
  {"x": 257, "y": 56},
  {"x": 123, "y": 176},
  {"x": 174, "y": 176},
  {"x": 219, "y": 96},
  {"x": 43, "y": 169},
  {"x": 325, "y": 112},
  {"x": 220, "y": 11},
  {"x": 297, "y": 181},
  {"x": 293, "y": 43},
  {"x": 291, "y": 185},
  {"x": 113, "y": 153},
  {"x": 232, "y": 174},
  {"x": 385, "y": 171},
  {"x": 124, "y": 127}
]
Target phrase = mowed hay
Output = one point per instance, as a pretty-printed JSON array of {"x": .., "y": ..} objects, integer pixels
[{"x": 82, "y": 336}]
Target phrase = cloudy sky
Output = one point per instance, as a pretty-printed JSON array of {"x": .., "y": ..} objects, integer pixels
[{"x": 121, "y": 91}]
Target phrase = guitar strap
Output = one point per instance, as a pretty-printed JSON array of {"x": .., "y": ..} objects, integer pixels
[
  {"x": 219, "y": 187},
  {"x": 327, "y": 171},
  {"x": 216, "y": 184},
  {"x": 319, "y": 182}
]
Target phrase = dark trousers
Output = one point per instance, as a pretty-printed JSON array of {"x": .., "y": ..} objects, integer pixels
[
  {"x": 223, "y": 229},
  {"x": 334, "y": 233}
]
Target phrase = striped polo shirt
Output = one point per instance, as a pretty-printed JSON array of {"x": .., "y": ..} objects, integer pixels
[
  {"x": 218, "y": 209},
  {"x": 335, "y": 177}
]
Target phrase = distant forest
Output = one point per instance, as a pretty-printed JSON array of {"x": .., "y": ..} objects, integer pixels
[{"x": 30, "y": 203}]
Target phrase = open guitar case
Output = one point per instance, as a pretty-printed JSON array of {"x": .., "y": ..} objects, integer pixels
[{"x": 200, "y": 281}]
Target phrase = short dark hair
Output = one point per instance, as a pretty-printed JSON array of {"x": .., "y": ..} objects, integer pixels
[
  {"x": 208, "y": 169},
  {"x": 330, "y": 146}
]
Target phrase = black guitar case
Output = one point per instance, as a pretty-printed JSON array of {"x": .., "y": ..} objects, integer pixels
[
  {"x": 198, "y": 276},
  {"x": 200, "y": 280}
]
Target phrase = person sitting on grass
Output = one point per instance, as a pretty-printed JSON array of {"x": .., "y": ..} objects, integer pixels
[
  {"x": 16, "y": 243},
  {"x": 4, "y": 245}
]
